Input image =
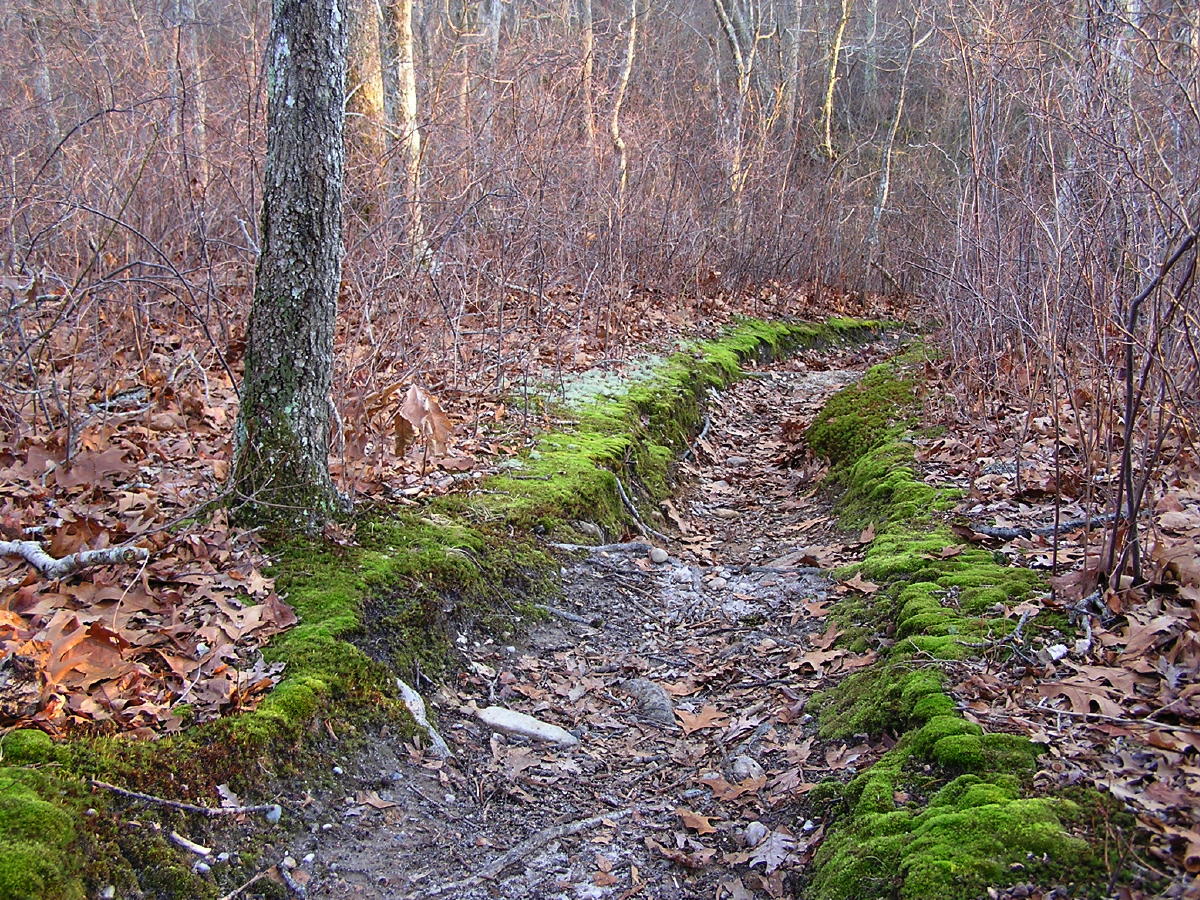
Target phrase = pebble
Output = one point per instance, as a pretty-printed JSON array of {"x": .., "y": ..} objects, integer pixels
[
  {"x": 108, "y": 893},
  {"x": 746, "y": 767},
  {"x": 755, "y": 834},
  {"x": 736, "y": 461},
  {"x": 337, "y": 770},
  {"x": 288, "y": 862},
  {"x": 274, "y": 814},
  {"x": 654, "y": 701},
  {"x": 200, "y": 867},
  {"x": 718, "y": 583},
  {"x": 659, "y": 555},
  {"x": 308, "y": 858}
]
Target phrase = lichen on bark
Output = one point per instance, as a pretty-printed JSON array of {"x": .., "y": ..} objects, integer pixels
[{"x": 281, "y": 441}]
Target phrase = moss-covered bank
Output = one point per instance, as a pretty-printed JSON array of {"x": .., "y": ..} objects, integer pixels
[
  {"x": 948, "y": 811},
  {"x": 368, "y": 613}
]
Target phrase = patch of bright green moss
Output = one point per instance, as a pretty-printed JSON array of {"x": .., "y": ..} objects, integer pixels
[
  {"x": 571, "y": 474},
  {"x": 938, "y": 601},
  {"x": 35, "y": 834},
  {"x": 372, "y": 612}
]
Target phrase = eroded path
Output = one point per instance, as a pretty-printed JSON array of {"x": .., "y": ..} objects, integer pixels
[{"x": 686, "y": 681}]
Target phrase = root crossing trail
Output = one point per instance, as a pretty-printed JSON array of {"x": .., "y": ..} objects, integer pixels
[{"x": 687, "y": 682}]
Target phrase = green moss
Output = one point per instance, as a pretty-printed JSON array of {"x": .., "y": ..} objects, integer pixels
[
  {"x": 938, "y": 601},
  {"x": 367, "y": 614},
  {"x": 35, "y": 835},
  {"x": 26, "y": 745}
]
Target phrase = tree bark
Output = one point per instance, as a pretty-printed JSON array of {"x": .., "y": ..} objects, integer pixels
[
  {"x": 614, "y": 124},
  {"x": 365, "y": 121},
  {"x": 587, "y": 38},
  {"x": 407, "y": 128},
  {"x": 835, "y": 55},
  {"x": 281, "y": 443}
]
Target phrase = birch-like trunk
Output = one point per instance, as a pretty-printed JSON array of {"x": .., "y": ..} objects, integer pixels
[
  {"x": 587, "y": 40},
  {"x": 614, "y": 124},
  {"x": 835, "y": 56},
  {"x": 281, "y": 441},
  {"x": 407, "y": 129},
  {"x": 43, "y": 91}
]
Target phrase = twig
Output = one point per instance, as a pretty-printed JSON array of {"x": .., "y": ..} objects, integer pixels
[
  {"x": 416, "y": 708},
  {"x": 188, "y": 844},
  {"x": 210, "y": 811},
  {"x": 1021, "y": 531},
  {"x": 626, "y": 546},
  {"x": 34, "y": 554},
  {"x": 295, "y": 888},
  {"x": 522, "y": 850},
  {"x": 241, "y": 888},
  {"x": 593, "y": 622},
  {"x": 690, "y": 451},
  {"x": 645, "y": 529}
]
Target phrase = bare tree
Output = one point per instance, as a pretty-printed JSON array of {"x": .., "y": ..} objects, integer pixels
[{"x": 281, "y": 444}]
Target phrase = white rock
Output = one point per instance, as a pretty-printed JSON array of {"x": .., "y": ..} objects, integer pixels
[
  {"x": 508, "y": 721},
  {"x": 108, "y": 893},
  {"x": 1054, "y": 653},
  {"x": 718, "y": 583},
  {"x": 737, "y": 461},
  {"x": 682, "y": 575},
  {"x": 756, "y": 833},
  {"x": 659, "y": 555},
  {"x": 746, "y": 767}
]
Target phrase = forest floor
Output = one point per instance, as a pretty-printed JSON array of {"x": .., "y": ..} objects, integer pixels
[{"x": 686, "y": 681}]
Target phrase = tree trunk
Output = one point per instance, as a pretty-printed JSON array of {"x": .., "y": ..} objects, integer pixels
[
  {"x": 281, "y": 442},
  {"x": 614, "y": 124},
  {"x": 407, "y": 128},
  {"x": 365, "y": 120},
  {"x": 587, "y": 38},
  {"x": 190, "y": 108},
  {"x": 835, "y": 55}
]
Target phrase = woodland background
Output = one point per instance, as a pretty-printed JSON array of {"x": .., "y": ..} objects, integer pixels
[{"x": 534, "y": 187}]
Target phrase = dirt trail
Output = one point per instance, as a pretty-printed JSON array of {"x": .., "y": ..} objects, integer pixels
[{"x": 729, "y": 632}]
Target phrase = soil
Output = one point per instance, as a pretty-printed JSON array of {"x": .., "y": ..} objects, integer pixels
[{"x": 704, "y": 801}]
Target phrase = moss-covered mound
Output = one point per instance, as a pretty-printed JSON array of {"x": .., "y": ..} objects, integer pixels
[
  {"x": 369, "y": 613},
  {"x": 947, "y": 812}
]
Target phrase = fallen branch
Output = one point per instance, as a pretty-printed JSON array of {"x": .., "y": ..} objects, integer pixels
[
  {"x": 1021, "y": 531},
  {"x": 416, "y": 708},
  {"x": 690, "y": 451},
  {"x": 642, "y": 526},
  {"x": 270, "y": 809},
  {"x": 54, "y": 569},
  {"x": 521, "y": 851},
  {"x": 626, "y": 546}
]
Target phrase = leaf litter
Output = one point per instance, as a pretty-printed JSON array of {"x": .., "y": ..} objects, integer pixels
[{"x": 735, "y": 646}]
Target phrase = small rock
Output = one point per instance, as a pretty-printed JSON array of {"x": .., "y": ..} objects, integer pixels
[
  {"x": 809, "y": 825},
  {"x": 308, "y": 858},
  {"x": 682, "y": 575},
  {"x": 200, "y": 867},
  {"x": 755, "y": 834},
  {"x": 274, "y": 814},
  {"x": 288, "y": 862},
  {"x": 508, "y": 721},
  {"x": 1053, "y": 653},
  {"x": 109, "y": 892},
  {"x": 338, "y": 770},
  {"x": 745, "y": 767},
  {"x": 659, "y": 555},
  {"x": 654, "y": 701},
  {"x": 223, "y": 856},
  {"x": 327, "y": 826},
  {"x": 718, "y": 583},
  {"x": 736, "y": 462}
]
